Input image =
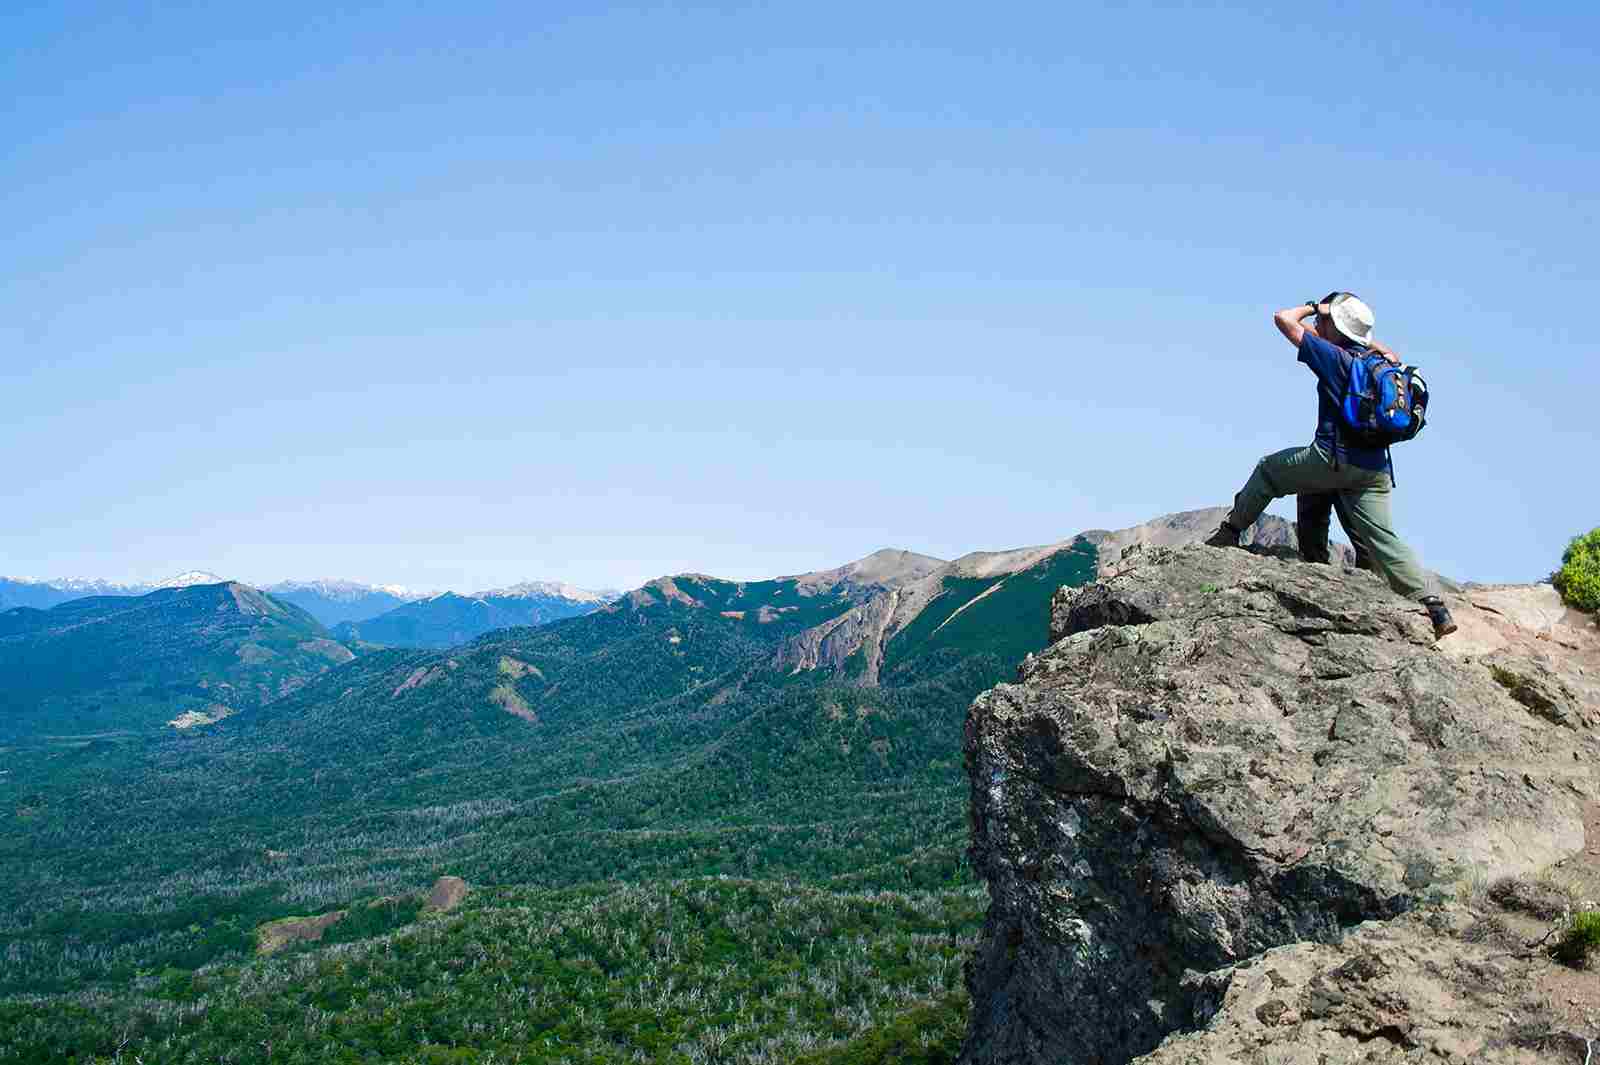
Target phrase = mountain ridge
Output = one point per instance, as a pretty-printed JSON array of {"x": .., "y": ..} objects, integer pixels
[
  {"x": 112, "y": 663},
  {"x": 883, "y": 594},
  {"x": 43, "y": 593},
  {"x": 548, "y": 589},
  {"x": 329, "y": 600},
  {"x": 335, "y": 587}
]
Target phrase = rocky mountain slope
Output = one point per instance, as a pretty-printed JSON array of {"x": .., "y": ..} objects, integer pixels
[
  {"x": 1246, "y": 809},
  {"x": 182, "y": 656},
  {"x": 890, "y": 611}
]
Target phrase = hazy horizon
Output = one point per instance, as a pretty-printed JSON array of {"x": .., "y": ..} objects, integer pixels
[{"x": 262, "y": 582}]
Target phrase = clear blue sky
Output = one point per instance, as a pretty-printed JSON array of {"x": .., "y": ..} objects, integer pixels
[{"x": 454, "y": 294}]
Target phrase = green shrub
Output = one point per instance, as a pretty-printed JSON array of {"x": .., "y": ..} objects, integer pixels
[
  {"x": 1578, "y": 580},
  {"x": 1580, "y": 939}
]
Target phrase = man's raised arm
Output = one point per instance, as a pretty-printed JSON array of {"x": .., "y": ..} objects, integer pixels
[{"x": 1289, "y": 321}]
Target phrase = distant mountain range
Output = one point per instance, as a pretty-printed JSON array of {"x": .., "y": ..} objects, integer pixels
[
  {"x": 89, "y": 656},
  {"x": 450, "y": 619},
  {"x": 334, "y": 602},
  {"x": 331, "y": 602},
  {"x": 43, "y": 594},
  {"x": 92, "y": 658}
]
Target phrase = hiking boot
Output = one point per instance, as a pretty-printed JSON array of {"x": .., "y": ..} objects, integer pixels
[
  {"x": 1439, "y": 614},
  {"x": 1225, "y": 536}
]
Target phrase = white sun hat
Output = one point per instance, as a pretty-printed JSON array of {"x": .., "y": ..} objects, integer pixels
[{"x": 1351, "y": 317}]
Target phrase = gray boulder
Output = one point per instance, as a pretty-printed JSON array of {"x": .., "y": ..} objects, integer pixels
[
  {"x": 1442, "y": 985},
  {"x": 1225, "y": 752}
]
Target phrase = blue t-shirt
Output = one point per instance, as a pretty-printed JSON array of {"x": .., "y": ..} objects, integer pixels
[{"x": 1331, "y": 364}]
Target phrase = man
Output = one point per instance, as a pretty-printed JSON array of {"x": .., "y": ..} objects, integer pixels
[{"x": 1329, "y": 474}]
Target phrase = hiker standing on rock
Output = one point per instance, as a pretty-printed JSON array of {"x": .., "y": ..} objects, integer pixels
[{"x": 1365, "y": 401}]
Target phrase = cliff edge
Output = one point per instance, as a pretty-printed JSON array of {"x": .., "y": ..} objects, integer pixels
[{"x": 1246, "y": 809}]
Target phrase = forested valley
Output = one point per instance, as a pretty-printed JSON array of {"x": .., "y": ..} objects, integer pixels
[{"x": 677, "y": 851}]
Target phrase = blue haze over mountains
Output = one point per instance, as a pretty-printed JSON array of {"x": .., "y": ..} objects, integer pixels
[
  {"x": 450, "y": 619},
  {"x": 90, "y": 660},
  {"x": 44, "y": 594},
  {"x": 106, "y": 666},
  {"x": 332, "y": 602},
  {"x": 337, "y": 602}
]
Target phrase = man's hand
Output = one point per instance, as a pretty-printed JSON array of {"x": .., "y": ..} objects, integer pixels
[{"x": 1289, "y": 320}]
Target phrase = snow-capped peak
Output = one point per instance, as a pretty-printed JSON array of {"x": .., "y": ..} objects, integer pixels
[
  {"x": 342, "y": 590},
  {"x": 190, "y": 579},
  {"x": 98, "y": 586},
  {"x": 547, "y": 590}
]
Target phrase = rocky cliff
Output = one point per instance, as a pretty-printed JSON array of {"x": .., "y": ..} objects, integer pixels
[{"x": 1245, "y": 809}]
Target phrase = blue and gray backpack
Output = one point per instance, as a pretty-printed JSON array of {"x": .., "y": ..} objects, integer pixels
[{"x": 1383, "y": 404}]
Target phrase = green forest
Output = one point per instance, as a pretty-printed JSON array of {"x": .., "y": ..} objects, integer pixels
[{"x": 678, "y": 853}]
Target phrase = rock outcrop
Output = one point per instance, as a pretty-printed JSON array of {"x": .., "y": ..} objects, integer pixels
[
  {"x": 1449, "y": 984},
  {"x": 1250, "y": 804},
  {"x": 1190, "y": 527},
  {"x": 447, "y": 894},
  {"x": 863, "y": 627},
  {"x": 275, "y": 935}
]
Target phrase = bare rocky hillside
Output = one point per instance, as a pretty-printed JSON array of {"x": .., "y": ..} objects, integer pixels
[
  {"x": 1245, "y": 809},
  {"x": 885, "y": 609}
]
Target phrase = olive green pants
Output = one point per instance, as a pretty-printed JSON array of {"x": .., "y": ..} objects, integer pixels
[
  {"x": 1361, "y": 497},
  {"x": 1311, "y": 520}
]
